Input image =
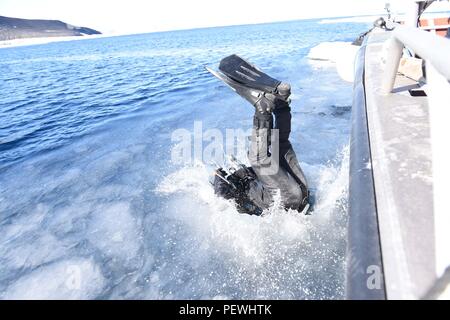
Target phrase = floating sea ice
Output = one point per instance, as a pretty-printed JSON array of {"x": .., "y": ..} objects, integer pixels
[
  {"x": 341, "y": 53},
  {"x": 69, "y": 279}
]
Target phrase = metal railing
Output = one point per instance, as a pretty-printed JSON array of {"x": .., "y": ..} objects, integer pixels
[
  {"x": 435, "y": 51},
  {"x": 430, "y": 47}
]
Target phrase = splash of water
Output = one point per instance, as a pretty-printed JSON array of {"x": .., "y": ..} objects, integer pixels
[{"x": 279, "y": 255}]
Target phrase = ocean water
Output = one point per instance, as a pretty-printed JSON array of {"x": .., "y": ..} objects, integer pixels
[{"x": 91, "y": 205}]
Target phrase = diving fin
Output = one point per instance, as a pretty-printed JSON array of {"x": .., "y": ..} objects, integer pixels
[
  {"x": 247, "y": 74},
  {"x": 264, "y": 102},
  {"x": 249, "y": 94},
  {"x": 262, "y": 91}
]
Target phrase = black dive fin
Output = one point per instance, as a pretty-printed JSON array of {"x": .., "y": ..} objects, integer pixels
[
  {"x": 237, "y": 69},
  {"x": 249, "y": 94}
]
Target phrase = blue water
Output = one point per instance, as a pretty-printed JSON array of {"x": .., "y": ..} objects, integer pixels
[{"x": 91, "y": 205}]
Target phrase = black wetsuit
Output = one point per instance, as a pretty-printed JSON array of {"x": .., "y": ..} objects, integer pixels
[
  {"x": 274, "y": 166},
  {"x": 282, "y": 175},
  {"x": 268, "y": 176}
]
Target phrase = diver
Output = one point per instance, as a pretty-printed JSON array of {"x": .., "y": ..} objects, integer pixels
[{"x": 274, "y": 166}]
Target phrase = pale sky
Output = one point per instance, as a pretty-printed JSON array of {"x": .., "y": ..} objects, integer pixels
[{"x": 138, "y": 16}]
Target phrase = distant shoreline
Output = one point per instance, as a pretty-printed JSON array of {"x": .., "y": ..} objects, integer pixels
[
  {"x": 327, "y": 20},
  {"x": 44, "y": 40},
  {"x": 18, "y": 31}
]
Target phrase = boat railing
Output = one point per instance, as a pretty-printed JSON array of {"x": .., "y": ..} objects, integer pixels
[{"x": 433, "y": 49}]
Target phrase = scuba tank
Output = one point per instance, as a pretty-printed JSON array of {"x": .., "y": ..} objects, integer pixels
[{"x": 234, "y": 183}]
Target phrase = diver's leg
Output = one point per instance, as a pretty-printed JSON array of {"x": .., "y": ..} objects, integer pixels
[
  {"x": 260, "y": 141},
  {"x": 272, "y": 176},
  {"x": 288, "y": 158},
  {"x": 283, "y": 124},
  {"x": 289, "y": 178}
]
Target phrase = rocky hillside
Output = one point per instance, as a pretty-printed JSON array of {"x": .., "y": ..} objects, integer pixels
[{"x": 14, "y": 28}]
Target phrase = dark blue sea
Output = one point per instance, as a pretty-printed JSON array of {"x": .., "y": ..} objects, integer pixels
[{"x": 92, "y": 205}]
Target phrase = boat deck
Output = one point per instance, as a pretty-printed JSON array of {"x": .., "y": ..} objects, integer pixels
[{"x": 398, "y": 126}]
